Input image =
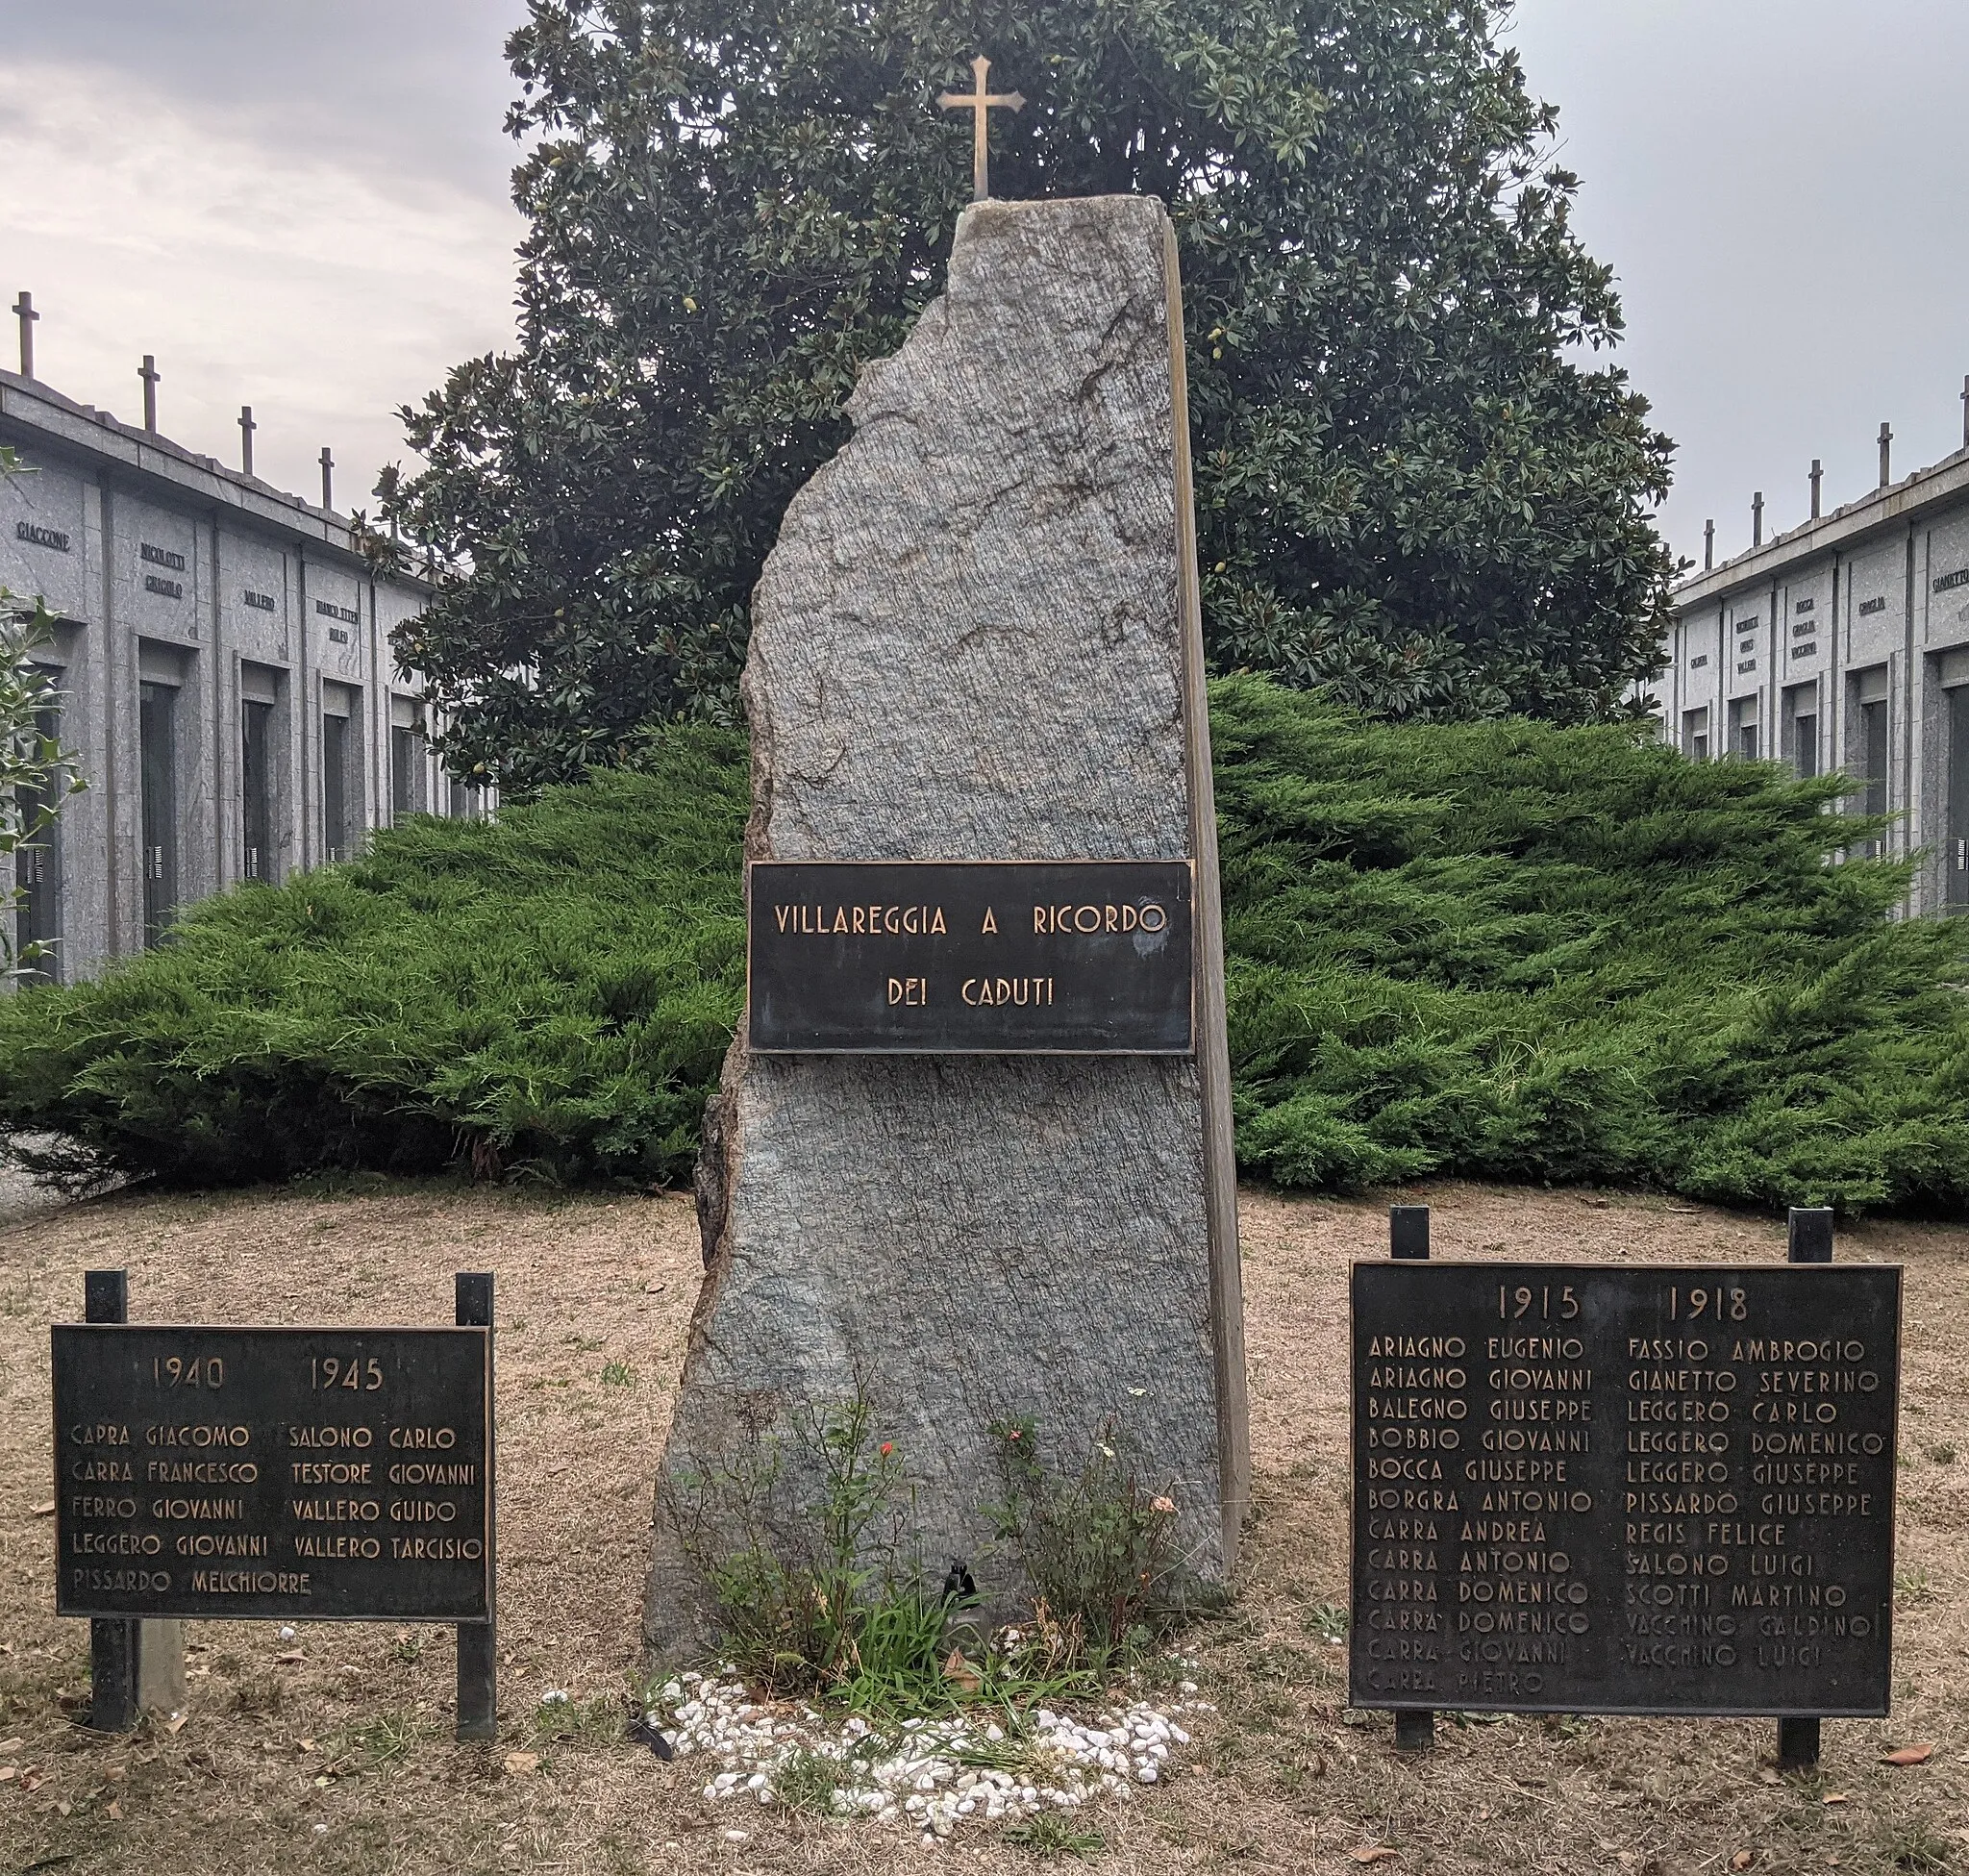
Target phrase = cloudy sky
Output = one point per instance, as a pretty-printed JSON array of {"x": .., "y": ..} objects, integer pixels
[{"x": 301, "y": 205}]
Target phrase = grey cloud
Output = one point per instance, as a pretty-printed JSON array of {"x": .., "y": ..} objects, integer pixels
[
  {"x": 416, "y": 87},
  {"x": 1778, "y": 183}
]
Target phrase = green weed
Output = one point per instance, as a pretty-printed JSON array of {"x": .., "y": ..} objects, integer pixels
[
  {"x": 618, "y": 1374},
  {"x": 1329, "y": 1621},
  {"x": 1913, "y": 1845},
  {"x": 1099, "y": 1546},
  {"x": 596, "y": 1721},
  {"x": 807, "y": 1781},
  {"x": 1912, "y": 1586},
  {"x": 386, "y": 1740},
  {"x": 1050, "y": 1835},
  {"x": 850, "y": 1618}
]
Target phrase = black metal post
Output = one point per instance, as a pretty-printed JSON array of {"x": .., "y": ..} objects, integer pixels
[
  {"x": 1808, "y": 1240},
  {"x": 1414, "y": 1729},
  {"x": 1408, "y": 1230},
  {"x": 1409, "y": 1241},
  {"x": 111, "y": 1640},
  {"x": 477, "y": 1642},
  {"x": 1798, "y": 1743}
]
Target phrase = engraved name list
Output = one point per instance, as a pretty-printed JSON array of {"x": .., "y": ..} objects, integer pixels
[
  {"x": 1654, "y": 1489},
  {"x": 317, "y": 1474}
]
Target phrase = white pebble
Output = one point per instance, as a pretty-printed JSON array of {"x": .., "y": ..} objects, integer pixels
[{"x": 915, "y": 1776}]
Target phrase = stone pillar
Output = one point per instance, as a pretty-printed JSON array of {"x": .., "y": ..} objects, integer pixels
[{"x": 978, "y": 638}]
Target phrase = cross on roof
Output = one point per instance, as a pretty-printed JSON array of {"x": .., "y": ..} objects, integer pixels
[
  {"x": 327, "y": 472},
  {"x": 978, "y": 103},
  {"x": 247, "y": 429},
  {"x": 24, "y": 312},
  {"x": 152, "y": 377}
]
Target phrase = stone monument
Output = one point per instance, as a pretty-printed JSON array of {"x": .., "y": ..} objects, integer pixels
[{"x": 977, "y": 640}]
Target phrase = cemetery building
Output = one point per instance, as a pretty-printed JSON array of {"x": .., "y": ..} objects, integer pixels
[
  {"x": 223, "y": 655},
  {"x": 1844, "y": 644}
]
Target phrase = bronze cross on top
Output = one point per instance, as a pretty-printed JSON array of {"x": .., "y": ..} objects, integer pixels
[{"x": 978, "y": 103}]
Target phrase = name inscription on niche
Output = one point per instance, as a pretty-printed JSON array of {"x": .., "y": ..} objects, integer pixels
[
  {"x": 40, "y": 536},
  {"x": 316, "y": 1474},
  {"x": 328, "y": 609},
  {"x": 1083, "y": 956},
  {"x": 1651, "y": 1490}
]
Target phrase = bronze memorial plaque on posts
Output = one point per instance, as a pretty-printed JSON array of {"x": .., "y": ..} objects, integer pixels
[
  {"x": 309, "y": 1474},
  {"x": 1079, "y": 957},
  {"x": 1656, "y": 1490}
]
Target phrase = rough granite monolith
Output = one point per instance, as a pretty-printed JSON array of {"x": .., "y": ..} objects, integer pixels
[{"x": 977, "y": 639}]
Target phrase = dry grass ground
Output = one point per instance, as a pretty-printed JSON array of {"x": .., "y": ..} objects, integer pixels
[{"x": 332, "y": 1754}]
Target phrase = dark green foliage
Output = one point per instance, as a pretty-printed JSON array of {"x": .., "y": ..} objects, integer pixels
[
  {"x": 1408, "y": 486},
  {"x": 1497, "y": 949},
  {"x": 1517, "y": 953},
  {"x": 551, "y": 993}
]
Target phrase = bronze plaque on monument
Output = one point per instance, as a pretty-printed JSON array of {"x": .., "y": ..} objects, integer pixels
[
  {"x": 1650, "y": 1490},
  {"x": 1017, "y": 956},
  {"x": 306, "y": 1474}
]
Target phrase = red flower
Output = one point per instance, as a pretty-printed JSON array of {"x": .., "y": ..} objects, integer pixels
[{"x": 888, "y": 1447}]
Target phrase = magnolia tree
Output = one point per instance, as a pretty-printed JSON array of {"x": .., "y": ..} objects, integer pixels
[{"x": 1417, "y": 483}]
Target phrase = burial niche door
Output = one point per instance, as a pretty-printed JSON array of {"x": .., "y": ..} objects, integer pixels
[
  {"x": 1956, "y": 844},
  {"x": 158, "y": 780},
  {"x": 256, "y": 789},
  {"x": 337, "y": 795}
]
